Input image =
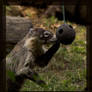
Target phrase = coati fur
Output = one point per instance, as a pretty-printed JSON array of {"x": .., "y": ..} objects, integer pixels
[{"x": 27, "y": 54}]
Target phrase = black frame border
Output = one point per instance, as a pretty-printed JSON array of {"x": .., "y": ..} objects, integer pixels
[{"x": 32, "y": 2}]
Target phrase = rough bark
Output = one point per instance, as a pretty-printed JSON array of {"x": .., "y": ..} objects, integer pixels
[{"x": 16, "y": 29}]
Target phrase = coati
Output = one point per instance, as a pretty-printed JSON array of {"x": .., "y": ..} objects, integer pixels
[{"x": 29, "y": 53}]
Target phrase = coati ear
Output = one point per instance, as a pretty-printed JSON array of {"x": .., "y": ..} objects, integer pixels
[{"x": 31, "y": 30}]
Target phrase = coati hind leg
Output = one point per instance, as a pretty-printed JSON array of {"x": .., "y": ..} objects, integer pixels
[
  {"x": 21, "y": 75},
  {"x": 31, "y": 75}
]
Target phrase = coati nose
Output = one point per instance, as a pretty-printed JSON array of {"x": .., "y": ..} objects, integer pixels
[{"x": 53, "y": 39}]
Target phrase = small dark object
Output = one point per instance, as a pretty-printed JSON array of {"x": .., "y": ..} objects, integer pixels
[{"x": 65, "y": 34}]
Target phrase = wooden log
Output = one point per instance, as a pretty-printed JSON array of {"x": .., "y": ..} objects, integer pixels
[{"x": 16, "y": 28}]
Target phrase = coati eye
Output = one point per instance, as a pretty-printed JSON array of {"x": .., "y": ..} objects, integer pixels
[{"x": 46, "y": 34}]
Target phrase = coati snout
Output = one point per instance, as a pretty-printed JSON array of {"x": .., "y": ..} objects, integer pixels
[{"x": 43, "y": 36}]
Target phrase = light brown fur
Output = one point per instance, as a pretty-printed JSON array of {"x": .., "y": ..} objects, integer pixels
[{"x": 21, "y": 60}]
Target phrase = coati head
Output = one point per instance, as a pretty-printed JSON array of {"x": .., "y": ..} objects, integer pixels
[{"x": 38, "y": 37}]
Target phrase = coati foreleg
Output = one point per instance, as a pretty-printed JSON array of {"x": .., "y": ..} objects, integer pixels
[{"x": 44, "y": 59}]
